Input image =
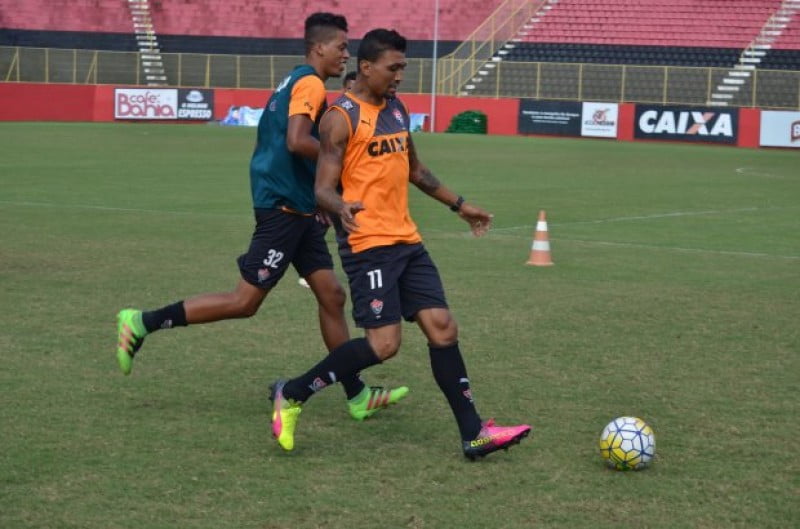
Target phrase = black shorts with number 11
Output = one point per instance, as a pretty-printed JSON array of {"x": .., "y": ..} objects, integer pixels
[{"x": 388, "y": 283}]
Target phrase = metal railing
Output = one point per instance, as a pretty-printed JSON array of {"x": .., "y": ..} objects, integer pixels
[
  {"x": 51, "y": 65},
  {"x": 774, "y": 89},
  {"x": 457, "y": 68}
]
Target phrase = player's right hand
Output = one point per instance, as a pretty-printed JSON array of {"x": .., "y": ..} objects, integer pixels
[{"x": 348, "y": 215}]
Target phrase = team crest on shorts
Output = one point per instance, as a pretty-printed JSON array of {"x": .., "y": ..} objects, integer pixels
[
  {"x": 263, "y": 275},
  {"x": 377, "y": 306}
]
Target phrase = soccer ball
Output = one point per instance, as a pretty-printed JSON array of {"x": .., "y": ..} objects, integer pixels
[{"x": 627, "y": 443}]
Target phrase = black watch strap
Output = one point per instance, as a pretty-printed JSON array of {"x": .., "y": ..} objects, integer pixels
[{"x": 455, "y": 207}]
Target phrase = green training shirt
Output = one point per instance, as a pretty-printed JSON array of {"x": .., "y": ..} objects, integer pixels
[{"x": 279, "y": 178}]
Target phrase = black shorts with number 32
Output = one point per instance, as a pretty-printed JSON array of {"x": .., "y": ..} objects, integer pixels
[
  {"x": 388, "y": 283},
  {"x": 282, "y": 238}
]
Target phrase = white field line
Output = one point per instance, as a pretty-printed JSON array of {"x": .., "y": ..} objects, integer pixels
[
  {"x": 670, "y": 214},
  {"x": 116, "y": 209},
  {"x": 492, "y": 234},
  {"x": 530, "y": 228},
  {"x": 495, "y": 231},
  {"x": 754, "y": 171},
  {"x": 677, "y": 248}
]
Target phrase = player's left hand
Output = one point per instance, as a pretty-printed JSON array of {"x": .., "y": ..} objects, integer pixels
[
  {"x": 479, "y": 220},
  {"x": 323, "y": 217}
]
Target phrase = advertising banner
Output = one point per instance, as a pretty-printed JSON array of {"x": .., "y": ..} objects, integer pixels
[
  {"x": 599, "y": 120},
  {"x": 195, "y": 104},
  {"x": 780, "y": 129},
  {"x": 145, "y": 103},
  {"x": 713, "y": 125},
  {"x": 560, "y": 118}
]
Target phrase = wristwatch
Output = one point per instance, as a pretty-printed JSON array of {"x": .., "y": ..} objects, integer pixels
[{"x": 455, "y": 207}]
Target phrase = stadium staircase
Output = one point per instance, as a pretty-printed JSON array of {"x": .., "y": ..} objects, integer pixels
[
  {"x": 484, "y": 73},
  {"x": 149, "y": 52},
  {"x": 789, "y": 40},
  {"x": 719, "y": 33},
  {"x": 740, "y": 77},
  {"x": 474, "y": 59}
]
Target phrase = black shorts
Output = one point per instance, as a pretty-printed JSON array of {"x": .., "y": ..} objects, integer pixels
[
  {"x": 390, "y": 282},
  {"x": 281, "y": 238}
]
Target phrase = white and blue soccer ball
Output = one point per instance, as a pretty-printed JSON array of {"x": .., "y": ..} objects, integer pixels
[{"x": 627, "y": 443}]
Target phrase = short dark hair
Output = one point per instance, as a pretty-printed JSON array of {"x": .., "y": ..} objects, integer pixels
[
  {"x": 319, "y": 26},
  {"x": 351, "y": 76},
  {"x": 379, "y": 40}
]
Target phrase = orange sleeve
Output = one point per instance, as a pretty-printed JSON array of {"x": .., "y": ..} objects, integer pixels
[{"x": 308, "y": 97}]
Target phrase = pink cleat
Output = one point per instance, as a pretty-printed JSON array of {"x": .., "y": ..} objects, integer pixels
[{"x": 492, "y": 438}]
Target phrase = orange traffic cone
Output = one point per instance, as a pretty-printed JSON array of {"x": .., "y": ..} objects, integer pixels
[{"x": 540, "y": 250}]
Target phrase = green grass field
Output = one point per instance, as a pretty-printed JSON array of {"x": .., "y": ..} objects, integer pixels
[{"x": 674, "y": 297}]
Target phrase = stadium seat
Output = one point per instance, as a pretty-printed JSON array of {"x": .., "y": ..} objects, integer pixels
[
  {"x": 244, "y": 18},
  {"x": 710, "y": 24}
]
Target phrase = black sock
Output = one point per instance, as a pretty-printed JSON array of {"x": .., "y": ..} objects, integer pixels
[
  {"x": 451, "y": 375},
  {"x": 165, "y": 318},
  {"x": 353, "y": 385},
  {"x": 347, "y": 359}
]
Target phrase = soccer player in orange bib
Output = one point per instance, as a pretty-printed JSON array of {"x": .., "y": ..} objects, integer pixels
[
  {"x": 289, "y": 229},
  {"x": 366, "y": 161}
]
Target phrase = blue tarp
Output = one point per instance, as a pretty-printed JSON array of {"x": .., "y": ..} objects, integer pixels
[{"x": 242, "y": 116}]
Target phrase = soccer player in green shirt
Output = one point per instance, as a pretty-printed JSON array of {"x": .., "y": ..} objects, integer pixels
[{"x": 289, "y": 228}]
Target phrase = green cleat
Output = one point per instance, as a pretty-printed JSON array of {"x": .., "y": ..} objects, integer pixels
[
  {"x": 373, "y": 399},
  {"x": 284, "y": 416},
  {"x": 130, "y": 337}
]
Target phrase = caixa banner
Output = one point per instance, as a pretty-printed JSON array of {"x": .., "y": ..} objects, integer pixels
[
  {"x": 163, "y": 104},
  {"x": 713, "y": 125}
]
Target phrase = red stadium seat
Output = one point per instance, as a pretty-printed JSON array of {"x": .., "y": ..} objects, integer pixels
[
  {"x": 245, "y": 18},
  {"x": 711, "y": 23}
]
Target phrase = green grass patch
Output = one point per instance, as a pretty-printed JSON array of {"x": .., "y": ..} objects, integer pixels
[{"x": 674, "y": 297}]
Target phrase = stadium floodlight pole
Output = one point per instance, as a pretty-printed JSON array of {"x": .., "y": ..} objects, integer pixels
[{"x": 433, "y": 71}]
